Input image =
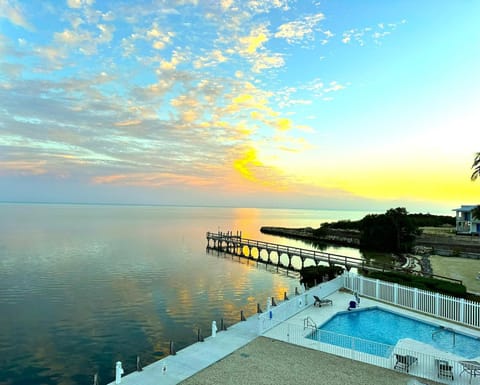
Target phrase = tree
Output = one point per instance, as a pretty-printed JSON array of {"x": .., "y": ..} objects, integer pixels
[
  {"x": 393, "y": 231},
  {"x": 476, "y": 167},
  {"x": 476, "y": 212}
]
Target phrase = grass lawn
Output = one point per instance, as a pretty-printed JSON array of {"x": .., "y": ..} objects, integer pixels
[{"x": 465, "y": 269}]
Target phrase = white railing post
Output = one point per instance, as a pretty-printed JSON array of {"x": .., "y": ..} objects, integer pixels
[
  {"x": 377, "y": 285},
  {"x": 437, "y": 304},
  {"x": 415, "y": 299},
  {"x": 353, "y": 349},
  {"x": 395, "y": 293},
  {"x": 118, "y": 372},
  {"x": 214, "y": 329},
  {"x": 462, "y": 310}
]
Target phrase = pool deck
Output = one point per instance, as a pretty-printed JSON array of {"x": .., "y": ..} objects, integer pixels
[
  {"x": 340, "y": 300},
  {"x": 192, "y": 360}
]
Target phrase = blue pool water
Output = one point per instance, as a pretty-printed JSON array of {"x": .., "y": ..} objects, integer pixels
[{"x": 377, "y": 331}]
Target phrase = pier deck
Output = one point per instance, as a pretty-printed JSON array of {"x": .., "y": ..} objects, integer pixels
[{"x": 292, "y": 258}]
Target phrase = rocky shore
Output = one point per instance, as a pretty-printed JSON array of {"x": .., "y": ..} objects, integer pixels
[{"x": 336, "y": 236}]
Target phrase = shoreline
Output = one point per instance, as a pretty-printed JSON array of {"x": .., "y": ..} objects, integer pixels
[{"x": 446, "y": 245}]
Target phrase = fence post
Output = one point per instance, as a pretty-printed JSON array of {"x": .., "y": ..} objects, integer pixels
[
  {"x": 377, "y": 285},
  {"x": 462, "y": 310},
  {"x": 415, "y": 298},
  {"x": 353, "y": 349},
  {"x": 437, "y": 304},
  {"x": 395, "y": 293}
]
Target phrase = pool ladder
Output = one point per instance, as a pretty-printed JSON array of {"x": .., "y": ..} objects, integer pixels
[
  {"x": 435, "y": 332},
  {"x": 309, "y": 323},
  {"x": 442, "y": 328}
]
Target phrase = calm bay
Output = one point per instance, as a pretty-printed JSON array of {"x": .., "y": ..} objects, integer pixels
[{"x": 83, "y": 286}]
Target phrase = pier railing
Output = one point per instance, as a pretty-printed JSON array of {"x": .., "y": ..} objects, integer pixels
[
  {"x": 235, "y": 244},
  {"x": 434, "y": 304}
]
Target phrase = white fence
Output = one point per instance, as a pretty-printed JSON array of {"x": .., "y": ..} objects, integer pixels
[
  {"x": 286, "y": 309},
  {"x": 423, "y": 365},
  {"x": 434, "y": 304}
]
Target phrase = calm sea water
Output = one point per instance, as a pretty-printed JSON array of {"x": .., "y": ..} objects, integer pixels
[{"x": 83, "y": 286}]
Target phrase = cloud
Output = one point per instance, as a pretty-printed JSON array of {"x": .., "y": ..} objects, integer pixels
[
  {"x": 176, "y": 59},
  {"x": 284, "y": 124},
  {"x": 362, "y": 36},
  {"x": 248, "y": 164},
  {"x": 85, "y": 41},
  {"x": 306, "y": 93},
  {"x": 264, "y": 6},
  {"x": 212, "y": 59},
  {"x": 254, "y": 41},
  {"x": 12, "y": 11},
  {"x": 298, "y": 30},
  {"x": 226, "y": 4},
  {"x": 264, "y": 62},
  {"x": 22, "y": 167},
  {"x": 125, "y": 123},
  {"x": 153, "y": 179},
  {"x": 79, "y": 3},
  {"x": 138, "y": 99}
]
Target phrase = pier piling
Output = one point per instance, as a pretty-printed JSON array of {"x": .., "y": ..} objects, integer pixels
[{"x": 172, "y": 349}]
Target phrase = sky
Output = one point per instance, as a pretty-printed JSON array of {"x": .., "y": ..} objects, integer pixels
[{"x": 366, "y": 104}]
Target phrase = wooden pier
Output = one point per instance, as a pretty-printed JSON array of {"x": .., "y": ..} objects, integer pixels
[{"x": 278, "y": 255}]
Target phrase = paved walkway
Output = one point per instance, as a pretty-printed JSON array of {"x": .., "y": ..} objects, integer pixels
[{"x": 194, "y": 358}]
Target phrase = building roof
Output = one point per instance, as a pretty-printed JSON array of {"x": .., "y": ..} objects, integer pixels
[{"x": 466, "y": 208}]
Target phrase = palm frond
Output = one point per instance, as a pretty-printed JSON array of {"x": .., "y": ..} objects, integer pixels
[{"x": 476, "y": 167}]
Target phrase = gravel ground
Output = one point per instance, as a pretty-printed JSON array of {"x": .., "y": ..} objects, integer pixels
[{"x": 265, "y": 361}]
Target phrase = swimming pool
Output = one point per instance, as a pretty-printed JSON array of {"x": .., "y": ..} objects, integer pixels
[{"x": 377, "y": 331}]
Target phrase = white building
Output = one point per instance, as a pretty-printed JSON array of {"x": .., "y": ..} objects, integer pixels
[{"x": 465, "y": 222}]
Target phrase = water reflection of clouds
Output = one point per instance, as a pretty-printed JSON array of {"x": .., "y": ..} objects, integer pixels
[{"x": 120, "y": 288}]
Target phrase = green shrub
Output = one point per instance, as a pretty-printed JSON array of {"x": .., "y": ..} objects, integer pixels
[
  {"x": 424, "y": 283},
  {"x": 311, "y": 275}
]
